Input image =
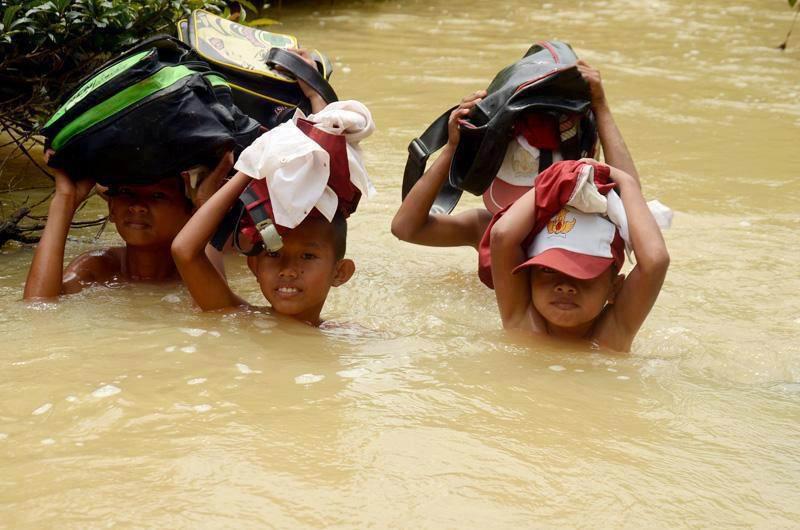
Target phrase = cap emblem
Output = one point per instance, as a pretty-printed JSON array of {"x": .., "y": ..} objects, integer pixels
[{"x": 560, "y": 225}]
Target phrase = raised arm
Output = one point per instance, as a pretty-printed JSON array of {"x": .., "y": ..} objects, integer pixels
[
  {"x": 206, "y": 284},
  {"x": 317, "y": 103},
  {"x": 615, "y": 150},
  {"x": 413, "y": 221},
  {"x": 46, "y": 275},
  {"x": 513, "y": 291},
  {"x": 641, "y": 287}
]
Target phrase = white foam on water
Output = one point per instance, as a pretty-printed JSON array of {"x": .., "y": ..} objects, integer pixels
[
  {"x": 611, "y": 369},
  {"x": 243, "y": 368},
  {"x": 189, "y": 349},
  {"x": 202, "y": 408},
  {"x": 196, "y": 381},
  {"x": 194, "y": 332},
  {"x": 169, "y": 349},
  {"x": 346, "y": 69},
  {"x": 745, "y": 223},
  {"x": 106, "y": 391},
  {"x": 215, "y": 333},
  {"x": 79, "y": 444},
  {"x": 48, "y": 441},
  {"x": 623, "y": 377},
  {"x": 41, "y": 410},
  {"x": 352, "y": 374},
  {"x": 579, "y": 370},
  {"x": 172, "y": 299},
  {"x": 308, "y": 379},
  {"x": 264, "y": 324},
  {"x": 556, "y": 368},
  {"x": 3, "y": 436}
]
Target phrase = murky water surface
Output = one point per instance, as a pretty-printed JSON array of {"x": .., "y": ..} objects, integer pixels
[{"x": 125, "y": 407}]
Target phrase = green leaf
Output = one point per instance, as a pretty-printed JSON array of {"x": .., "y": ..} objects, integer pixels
[
  {"x": 792, "y": 3},
  {"x": 254, "y": 9},
  {"x": 263, "y": 22},
  {"x": 8, "y": 16}
]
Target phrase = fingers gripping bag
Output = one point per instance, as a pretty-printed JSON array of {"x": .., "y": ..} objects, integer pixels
[{"x": 307, "y": 167}]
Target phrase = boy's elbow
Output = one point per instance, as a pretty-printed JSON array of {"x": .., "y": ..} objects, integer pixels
[
  {"x": 656, "y": 262},
  {"x": 500, "y": 237},
  {"x": 401, "y": 230},
  {"x": 181, "y": 253}
]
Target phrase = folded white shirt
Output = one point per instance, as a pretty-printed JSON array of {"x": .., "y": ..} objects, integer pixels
[
  {"x": 586, "y": 198},
  {"x": 297, "y": 169}
]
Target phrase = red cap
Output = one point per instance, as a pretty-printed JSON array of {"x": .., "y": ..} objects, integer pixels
[{"x": 577, "y": 244}]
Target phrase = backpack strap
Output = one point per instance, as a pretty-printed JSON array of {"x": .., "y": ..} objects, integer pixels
[
  {"x": 303, "y": 71},
  {"x": 419, "y": 150},
  {"x": 227, "y": 226},
  {"x": 255, "y": 204}
]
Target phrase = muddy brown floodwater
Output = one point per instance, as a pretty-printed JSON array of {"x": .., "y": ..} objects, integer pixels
[{"x": 124, "y": 407}]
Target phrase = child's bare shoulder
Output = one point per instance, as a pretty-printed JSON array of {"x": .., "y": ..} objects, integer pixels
[
  {"x": 610, "y": 334},
  {"x": 95, "y": 266}
]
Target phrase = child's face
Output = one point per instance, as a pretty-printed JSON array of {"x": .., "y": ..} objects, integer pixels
[
  {"x": 149, "y": 215},
  {"x": 568, "y": 302},
  {"x": 296, "y": 279}
]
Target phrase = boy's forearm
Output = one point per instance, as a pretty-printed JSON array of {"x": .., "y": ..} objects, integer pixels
[
  {"x": 614, "y": 148},
  {"x": 317, "y": 103},
  {"x": 646, "y": 238},
  {"x": 192, "y": 239},
  {"x": 515, "y": 225},
  {"x": 47, "y": 268},
  {"x": 414, "y": 210}
]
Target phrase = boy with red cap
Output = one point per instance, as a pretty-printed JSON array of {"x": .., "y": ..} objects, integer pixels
[{"x": 559, "y": 274}]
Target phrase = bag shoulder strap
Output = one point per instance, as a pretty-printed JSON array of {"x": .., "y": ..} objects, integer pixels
[
  {"x": 419, "y": 150},
  {"x": 302, "y": 70}
]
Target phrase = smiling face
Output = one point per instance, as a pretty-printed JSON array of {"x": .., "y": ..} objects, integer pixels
[
  {"x": 149, "y": 216},
  {"x": 296, "y": 279},
  {"x": 571, "y": 304}
]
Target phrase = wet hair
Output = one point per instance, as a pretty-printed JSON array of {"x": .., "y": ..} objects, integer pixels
[{"x": 339, "y": 225}]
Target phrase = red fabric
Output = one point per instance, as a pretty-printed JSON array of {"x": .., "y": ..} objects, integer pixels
[
  {"x": 540, "y": 130},
  {"x": 554, "y": 187},
  {"x": 339, "y": 181}
]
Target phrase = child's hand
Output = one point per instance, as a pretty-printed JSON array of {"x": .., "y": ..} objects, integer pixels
[
  {"x": 615, "y": 174},
  {"x": 592, "y": 76},
  {"x": 463, "y": 110},
  {"x": 78, "y": 190},
  {"x": 213, "y": 181},
  {"x": 306, "y": 56}
]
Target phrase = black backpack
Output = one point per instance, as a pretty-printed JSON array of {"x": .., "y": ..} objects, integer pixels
[
  {"x": 148, "y": 114},
  {"x": 546, "y": 79}
]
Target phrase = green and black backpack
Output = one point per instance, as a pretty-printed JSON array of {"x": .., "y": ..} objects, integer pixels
[{"x": 148, "y": 114}]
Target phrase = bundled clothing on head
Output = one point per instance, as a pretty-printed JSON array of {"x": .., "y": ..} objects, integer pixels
[
  {"x": 309, "y": 166},
  {"x": 583, "y": 186}
]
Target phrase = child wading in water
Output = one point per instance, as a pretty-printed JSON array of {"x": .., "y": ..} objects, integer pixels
[
  {"x": 147, "y": 218},
  {"x": 567, "y": 283},
  {"x": 297, "y": 277}
]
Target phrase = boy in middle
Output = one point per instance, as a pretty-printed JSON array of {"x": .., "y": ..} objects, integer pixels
[{"x": 296, "y": 278}]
